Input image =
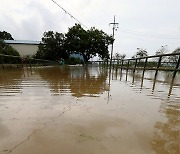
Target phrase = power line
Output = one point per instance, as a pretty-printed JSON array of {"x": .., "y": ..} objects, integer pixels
[
  {"x": 146, "y": 34},
  {"x": 76, "y": 11},
  {"x": 69, "y": 13}
]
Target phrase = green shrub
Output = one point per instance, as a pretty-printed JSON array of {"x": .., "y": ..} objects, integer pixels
[{"x": 74, "y": 61}]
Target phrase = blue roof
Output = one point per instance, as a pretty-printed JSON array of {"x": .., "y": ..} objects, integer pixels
[{"x": 22, "y": 42}]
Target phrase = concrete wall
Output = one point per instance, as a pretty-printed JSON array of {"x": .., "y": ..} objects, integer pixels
[{"x": 25, "y": 49}]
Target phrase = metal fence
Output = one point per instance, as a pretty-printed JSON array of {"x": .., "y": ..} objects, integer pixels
[
  {"x": 7, "y": 61},
  {"x": 164, "y": 62}
]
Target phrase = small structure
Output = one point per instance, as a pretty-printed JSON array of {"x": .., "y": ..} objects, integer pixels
[
  {"x": 24, "y": 47},
  {"x": 77, "y": 55}
]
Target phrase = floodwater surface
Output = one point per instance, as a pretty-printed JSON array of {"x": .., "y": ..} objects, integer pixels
[{"x": 84, "y": 110}]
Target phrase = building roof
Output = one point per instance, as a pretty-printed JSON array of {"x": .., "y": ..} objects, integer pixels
[{"x": 22, "y": 42}]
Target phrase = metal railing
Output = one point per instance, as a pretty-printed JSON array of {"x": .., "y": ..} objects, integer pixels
[
  {"x": 167, "y": 62},
  {"x": 164, "y": 62},
  {"x": 7, "y": 61}
]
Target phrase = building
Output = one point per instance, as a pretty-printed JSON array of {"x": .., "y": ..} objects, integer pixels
[
  {"x": 24, "y": 48},
  {"x": 77, "y": 55},
  {"x": 29, "y": 48}
]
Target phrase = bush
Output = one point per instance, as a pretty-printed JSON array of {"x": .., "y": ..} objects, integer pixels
[
  {"x": 74, "y": 61},
  {"x": 8, "y": 50}
]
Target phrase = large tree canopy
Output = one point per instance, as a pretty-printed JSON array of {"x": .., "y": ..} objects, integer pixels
[
  {"x": 175, "y": 57},
  {"x": 89, "y": 43},
  {"x": 5, "y": 36},
  {"x": 52, "y": 46},
  {"x": 140, "y": 53},
  {"x": 4, "y": 48},
  {"x": 92, "y": 42},
  {"x": 7, "y": 49}
]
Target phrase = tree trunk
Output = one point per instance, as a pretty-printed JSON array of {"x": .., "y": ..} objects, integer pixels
[{"x": 86, "y": 58}]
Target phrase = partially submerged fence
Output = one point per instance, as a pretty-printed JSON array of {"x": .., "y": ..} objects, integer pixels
[
  {"x": 164, "y": 62},
  {"x": 7, "y": 61}
]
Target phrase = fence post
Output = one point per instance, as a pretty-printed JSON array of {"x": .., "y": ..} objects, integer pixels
[
  {"x": 117, "y": 65},
  {"x": 134, "y": 70},
  {"x": 157, "y": 69},
  {"x": 127, "y": 69},
  {"x": 135, "y": 66},
  {"x": 145, "y": 64},
  {"x": 159, "y": 64},
  {"x": 174, "y": 75},
  {"x": 177, "y": 65},
  {"x": 122, "y": 64}
]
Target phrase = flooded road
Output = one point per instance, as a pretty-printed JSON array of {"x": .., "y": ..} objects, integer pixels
[{"x": 83, "y": 110}]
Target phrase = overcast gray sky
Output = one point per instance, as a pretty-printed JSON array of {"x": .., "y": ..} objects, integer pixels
[{"x": 147, "y": 24}]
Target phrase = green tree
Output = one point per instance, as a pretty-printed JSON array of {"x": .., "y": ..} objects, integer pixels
[
  {"x": 5, "y": 36},
  {"x": 98, "y": 42},
  {"x": 162, "y": 50},
  {"x": 7, "y": 49},
  {"x": 141, "y": 53},
  {"x": 4, "y": 48},
  {"x": 175, "y": 57},
  {"x": 119, "y": 56},
  {"x": 52, "y": 46},
  {"x": 74, "y": 39},
  {"x": 89, "y": 43}
]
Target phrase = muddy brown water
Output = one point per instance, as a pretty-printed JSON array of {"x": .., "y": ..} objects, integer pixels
[{"x": 83, "y": 110}]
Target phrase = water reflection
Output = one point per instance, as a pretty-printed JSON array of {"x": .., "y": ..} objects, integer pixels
[
  {"x": 160, "y": 77},
  {"x": 79, "y": 81},
  {"x": 10, "y": 81},
  {"x": 93, "y": 81},
  {"x": 166, "y": 136},
  {"x": 82, "y": 81}
]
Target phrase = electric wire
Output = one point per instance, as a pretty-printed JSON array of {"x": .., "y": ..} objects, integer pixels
[
  {"x": 76, "y": 11},
  {"x": 125, "y": 30},
  {"x": 146, "y": 35},
  {"x": 69, "y": 14}
]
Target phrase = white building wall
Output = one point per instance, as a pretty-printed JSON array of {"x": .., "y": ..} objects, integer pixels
[{"x": 25, "y": 49}]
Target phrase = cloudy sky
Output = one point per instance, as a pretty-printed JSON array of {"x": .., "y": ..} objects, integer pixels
[{"x": 146, "y": 24}]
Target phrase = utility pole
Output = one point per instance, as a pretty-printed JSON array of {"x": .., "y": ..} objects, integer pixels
[{"x": 115, "y": 26}]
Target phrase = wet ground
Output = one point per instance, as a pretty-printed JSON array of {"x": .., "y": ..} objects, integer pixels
[{"x": 81, "y": 110}]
